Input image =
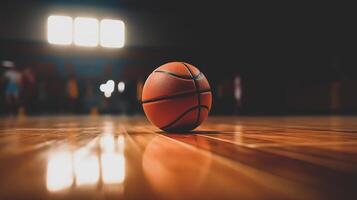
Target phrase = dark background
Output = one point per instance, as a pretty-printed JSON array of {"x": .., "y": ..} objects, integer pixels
[{"x": 291, "y": 58}]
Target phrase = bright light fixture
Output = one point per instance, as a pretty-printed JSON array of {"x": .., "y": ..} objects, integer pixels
[
  {"x": 107, "y": 88},
  {"x": 86, "y": 31},
  {"x": 112, "y": 33},
  {"x": 121, "y": 86},
  {"x": 59, "y": 30}
]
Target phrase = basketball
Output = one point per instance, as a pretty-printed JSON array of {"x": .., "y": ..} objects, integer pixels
[{"x": 176, "y": 97}]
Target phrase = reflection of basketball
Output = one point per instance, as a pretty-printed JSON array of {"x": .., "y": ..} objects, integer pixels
[
  {"x": 176, "y": 97},
  {"x": 165, "y": 175}
]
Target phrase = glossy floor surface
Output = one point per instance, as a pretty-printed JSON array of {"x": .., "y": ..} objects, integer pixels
[{"x": 226, "y": 158}]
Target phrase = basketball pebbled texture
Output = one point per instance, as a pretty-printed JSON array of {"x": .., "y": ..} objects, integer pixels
[{"x": 176, "y": 97}]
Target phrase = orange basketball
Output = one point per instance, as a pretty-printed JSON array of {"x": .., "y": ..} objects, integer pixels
[{"x": 176, "y": 97}]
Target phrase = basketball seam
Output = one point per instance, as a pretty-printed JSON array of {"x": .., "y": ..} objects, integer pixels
[
  {"x": 198, "y": 95},
  {"x": 178, "y": 76},
  {"x": 174, "y": 96},
  {"x": 182, "y": 115}
]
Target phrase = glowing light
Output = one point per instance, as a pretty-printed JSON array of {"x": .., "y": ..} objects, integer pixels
[
  {"x": 59, "y": 172},
  {"x": 107, "y": 94},
  {"x": 102, "y": 87},
  {"x": 107, "y": 88},
  {"x": 121, "y": 86},
  {"x": 110, "y": 84},
  {"x": 113, "y": 167},
  {"x": 86, "y": 168},
  {"x": 107, "y": 143},
  {"x": 59, "y": 30},
  {"x": 112, "y": 158},
  {"x": 112, "y": 33},
  {"x": 86, "y": 31}
]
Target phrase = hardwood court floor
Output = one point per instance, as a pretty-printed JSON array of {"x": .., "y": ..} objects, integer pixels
[{"x": 226, "y": 158}]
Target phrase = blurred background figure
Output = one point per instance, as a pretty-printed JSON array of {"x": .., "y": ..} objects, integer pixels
[
  {"x": 72, "y": 94},
  {"x": 91, "y": 101},
  {"x": 121, "y": 100},
  {"x": 238, "y": 92},
  {"x": 28, "y": 91},
  {"x": 12, "y": 79}
]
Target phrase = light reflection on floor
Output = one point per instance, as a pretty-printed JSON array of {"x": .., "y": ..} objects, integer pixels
[
  {"x": 59, "y": 171},
  {"x": 88, "y": 166}
]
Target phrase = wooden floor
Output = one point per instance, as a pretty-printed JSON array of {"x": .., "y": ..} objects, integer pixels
[{"x": 226, "y": 158}]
